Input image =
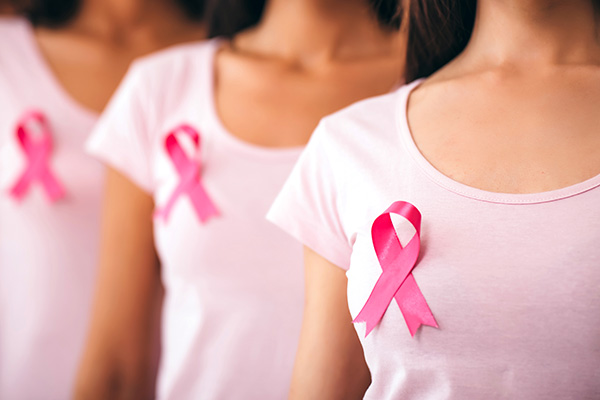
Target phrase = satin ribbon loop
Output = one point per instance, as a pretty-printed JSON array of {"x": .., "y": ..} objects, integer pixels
[
  {"x": 37, "y": 150},
  {"x": 396, "y": 281},
  {"x": 190, "y": 182}
]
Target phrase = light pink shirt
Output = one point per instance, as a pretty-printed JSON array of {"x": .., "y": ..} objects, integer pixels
[
  {"x": 48, "y": 251},
  {"x": 512, "y": 280},
  {"x": 234, "y": 285}
]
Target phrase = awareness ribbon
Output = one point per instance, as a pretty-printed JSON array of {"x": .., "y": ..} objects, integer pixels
[
  {"x": 189, "y": 173},
  {"x": 396, "y": 281},
  {"x": 37, "y": 151}
]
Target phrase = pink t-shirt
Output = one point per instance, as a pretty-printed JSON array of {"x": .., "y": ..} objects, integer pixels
[
  {"x": 512, "y": 280},
  {"x": 48, "y": 250},
  {"x": 234, "y": 284}
]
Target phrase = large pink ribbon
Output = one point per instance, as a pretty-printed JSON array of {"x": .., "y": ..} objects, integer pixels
[
  {"x": 396, "y": 281},
  {"x": 190, "y": 182},
  {"x": 37, "y": 151}
]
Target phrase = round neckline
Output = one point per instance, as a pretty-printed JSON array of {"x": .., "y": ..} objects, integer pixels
[
  {"x": 464, "y": 190},
  {"x": 42, "y": 65},
  {"x": 212, "y": 115}
]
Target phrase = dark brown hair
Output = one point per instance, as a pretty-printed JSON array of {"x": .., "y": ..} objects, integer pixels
[
  {"x": 438, "y": 31},
  {"x": 56, "y": 13},
  {"x": 229, "y": 17}
]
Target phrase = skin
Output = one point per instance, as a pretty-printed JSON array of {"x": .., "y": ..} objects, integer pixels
[
  {"x": 89, "y": 56},
  {"x": 515, "y": 113},
  {"x": 527, "y": 100},
  {"x": 5, "y": 9},
  {"x": 305, "y": 59},
  {"x": 120, "y": 361},
  {"x": 329, "y": 362}
]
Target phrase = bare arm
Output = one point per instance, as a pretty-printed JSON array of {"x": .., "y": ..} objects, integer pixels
[
  {"x": 121, "y": 354},
  {"x": 330, "y": 364}
]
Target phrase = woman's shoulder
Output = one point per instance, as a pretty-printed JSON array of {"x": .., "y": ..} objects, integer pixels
[
  {"x": 359, "y": 133},
  {"x": 10, "y": 25},
  {"x": 13, "y": 32},
  {"x": 169, "y": 78},
  {"x": 365, "y": 117},
  {"x": 175, "y": 62}
]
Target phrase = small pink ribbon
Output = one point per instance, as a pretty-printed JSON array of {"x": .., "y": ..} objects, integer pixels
[
  {"x": 396, "y": 281},
  {"x": 37, "y": 151},
  {"x": 189, "y": 173}
]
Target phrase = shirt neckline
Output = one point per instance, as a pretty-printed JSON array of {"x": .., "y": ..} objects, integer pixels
[
  {"x": 41, "y": 64},
  {"x": 469, "y": 191},
  {"x": 212, "y": 116}
]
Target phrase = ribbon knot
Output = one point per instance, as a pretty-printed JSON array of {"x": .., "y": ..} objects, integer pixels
[
  {"x": 190, "y": 182},
  {"x": 396, "y": 281},
  {"x": 37, "y": 151}
]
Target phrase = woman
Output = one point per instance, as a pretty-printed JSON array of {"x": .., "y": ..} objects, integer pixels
[
  {"x": 464, "y": 208},
  {"x": 59, "y": 64},
  {"x": 202, "y": 137}
]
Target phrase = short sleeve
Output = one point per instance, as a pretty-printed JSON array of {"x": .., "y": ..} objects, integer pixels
[
  {"x": 120, "y": 139},
  {"x": 307, "y": 207}
]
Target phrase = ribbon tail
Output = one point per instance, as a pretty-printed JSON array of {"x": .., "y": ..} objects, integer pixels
[
  {"x": 164, "y": 211},
  {"x": 413, "y": 305},
  {"x": 377, "y": 303},
  {"x": 204, "y": 206},
  {"x": 54, "y": 189},
  {"x": 19, "y": 189}
]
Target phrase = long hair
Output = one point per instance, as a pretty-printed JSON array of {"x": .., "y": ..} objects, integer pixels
[
  {"x": 49, "y": 13},
  {"x": 228, "y": 17},
  {"x": 438, "y": 31},
  {"x": 57, "y": 13},
  {"x": 388, "y": 13}
]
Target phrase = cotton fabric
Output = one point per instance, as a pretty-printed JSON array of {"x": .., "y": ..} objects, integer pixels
[
  {"x": 48, "y": 251},
  {"x": 513, "y": 280},
  {"x": 234, "y": 285}
]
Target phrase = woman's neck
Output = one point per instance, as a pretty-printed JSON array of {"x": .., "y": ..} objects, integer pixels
[
  {"x": 313, "y": 31},
  {"x": 134, "y": 21},
  {"x": 534, "y": 32}
]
